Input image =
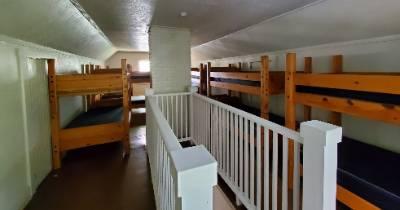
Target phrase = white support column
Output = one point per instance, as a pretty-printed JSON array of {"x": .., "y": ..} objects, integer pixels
[
  {"x": 319, "y": 164},
  {"x": 196, "y": 175}
]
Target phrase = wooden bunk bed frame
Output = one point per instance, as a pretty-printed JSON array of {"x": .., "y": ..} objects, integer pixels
[
  {"x": 86, "y": 84},
  {"x": 271, "y": 82},
  {"x": 384, "y": 83}
]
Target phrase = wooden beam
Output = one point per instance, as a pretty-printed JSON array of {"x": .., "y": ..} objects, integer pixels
[
  {"x": 264, "y": 89},
  {"x": 375, "y": 83},
  {"x": 307, "y": 70},
  {"x": 276, "y": 82},
  {"x": 253, "y": 90},
  {"x": 126, "y": 98},
  {"x": 239, "y": 75},
  {"x": 353, "y": 201},
  {"x": 290, "y": 109},
  {"x": 358, "y": 108},
  {"x": 54, "y": 115},
  {"x": 203, "y": 80},
  {"x": 78, "y": 84},
  {"x": 337, "y": 67},
  {"x": 209, "y": 92},
  {"x": 73, "y": 138}
]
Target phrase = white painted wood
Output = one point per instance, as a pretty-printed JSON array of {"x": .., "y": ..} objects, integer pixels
[
  {"x": 296, "y": 176},
  {"x": 284, "y": 173},
  {"x": 319, "y": 164},
  {"x": 258, "y": 183},
  {"x": 252, "y": 153},
  {"x": 266, "y": 169},
  {"x": 275, "y": 171}
]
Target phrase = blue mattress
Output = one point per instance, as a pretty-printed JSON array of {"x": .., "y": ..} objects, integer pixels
[
  {"x": 370, "y": 172},
  {"x": 97, "y": 116}
]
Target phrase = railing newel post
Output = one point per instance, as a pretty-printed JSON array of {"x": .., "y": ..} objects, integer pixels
[{"x": 319, "y": 164}]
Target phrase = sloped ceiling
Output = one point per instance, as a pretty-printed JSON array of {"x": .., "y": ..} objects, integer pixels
[
  {"x": 54, "y": 23},
  {"x": 212, "y": 19},
  {"x": 125, "y": 22},
  {"x": 319, "y": 23}
]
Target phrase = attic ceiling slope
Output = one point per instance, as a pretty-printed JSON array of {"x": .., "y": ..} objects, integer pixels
[
  {"x": 125, "y": 22},
  {"x": 212, "y": 19},
  {"x": 56, "y": 24},
  {"x": 319, "y": 23}
]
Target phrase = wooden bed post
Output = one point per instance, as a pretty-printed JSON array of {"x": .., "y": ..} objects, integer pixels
[
  {"x": 54, "y": 115},
  {"x": 265, "y": 92},
  {"x": 337, "y": 67},
  {"x": 88, "y": 102},
  {"x": 240, "y": 66},
  {"x": 208, "y": 79},
  {"x": 93, "y": 96},
  {"x": 203, "y": 80},
  {"x": 308, "y": 70},
  {"x": 290, "y": 108},
  {"x": 97, "y": 67},
  {"x": 126, "y": 100}
]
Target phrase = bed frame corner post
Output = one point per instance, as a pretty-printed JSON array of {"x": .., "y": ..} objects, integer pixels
[
  {"x": 307, "y": 70},
  {"x": 125, "y": 105},
  {"x": 290, "y": 109},
  {"x": 265, "y": 87},
  {"x": 209, "y": 79},
  {"x": 337, "y": 67},
  {"x": 87, "y": 97},
  {"x": 54, "y": 115},
  {"x": 92, "y": 96},
  {"x": 203, "y": 80}
]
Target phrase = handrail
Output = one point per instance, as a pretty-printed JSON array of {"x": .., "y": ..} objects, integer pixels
[
  {"x": 291, "y": 134},
  {"x": 171, "y": 141}
]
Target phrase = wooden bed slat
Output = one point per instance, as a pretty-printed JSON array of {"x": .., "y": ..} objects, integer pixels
[
  {"x": 73, "y": 138},
  {"x": 88, "y": 84},
  {"x": 250, "y": 76},
  {"x": 276, "y": 82},
  {"x": 353, "y": 201},
  {"x": 365, "y": 109},
  {"x": 253, "y": 90},
  {"x": 358, "y": 82}
]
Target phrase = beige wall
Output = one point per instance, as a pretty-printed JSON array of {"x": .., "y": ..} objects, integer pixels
[
  {"x": 25, "y": 156},
  {"x": 133, "y": 58},
  {"x": 170, "y": 59}
]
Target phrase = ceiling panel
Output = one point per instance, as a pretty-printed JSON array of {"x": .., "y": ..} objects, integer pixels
[
  {"x": 212, "y": 19},
  {"x": 320, "y": 23}
]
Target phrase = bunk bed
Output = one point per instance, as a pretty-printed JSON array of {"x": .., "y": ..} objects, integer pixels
[
  {"x": 261, "y": 83},
  {"x": 367, "y": 175},
  {"x": 97, "y": 125},
  {"x": 139, "y": 81}
]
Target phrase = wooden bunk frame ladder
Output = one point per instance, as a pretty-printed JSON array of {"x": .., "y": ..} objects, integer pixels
[
  {"x": 54, "y": 115},
  {"x": 337, "y": 67},
  {"x": 307, "y": 70},
  {"x": 126, "y": 106},
  {"x": 265, "y": 92},
  {"x": 290, "y": 109}
]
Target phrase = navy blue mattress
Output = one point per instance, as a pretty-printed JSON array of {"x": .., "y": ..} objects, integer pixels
[
  {"x": 97, "y": 116},
  {"x": 368, "y": 171}
]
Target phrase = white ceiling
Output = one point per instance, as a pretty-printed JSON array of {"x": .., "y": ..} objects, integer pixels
[
  {"x": 212, "y": 19},
  {"x": 125, "y": 22},
  {"x": 320, "y": 23},
  {"x": 54, "y": 23}
]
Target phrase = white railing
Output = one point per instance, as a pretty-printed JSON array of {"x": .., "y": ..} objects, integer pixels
[
  {"x": 253, "y": 157},
  {"x": 175, "y": 108},
  {"x": 183, "y": 178},
  {"x": 259, "y": 160}
]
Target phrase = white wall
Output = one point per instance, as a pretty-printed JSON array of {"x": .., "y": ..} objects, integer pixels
[
  {"x": 377, "y": 55},
  {"x": 169, "y": 59},
  {"x": 24, "y": 149},
  {"x": 133, "y": 58}
]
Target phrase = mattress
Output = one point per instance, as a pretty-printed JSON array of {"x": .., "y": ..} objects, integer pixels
[
  {"x": 97, "y": 116},
  {"x": 359, "y": 95},
  {"x": 238, "y": 81},
  {"x": 368, "y": 171}
]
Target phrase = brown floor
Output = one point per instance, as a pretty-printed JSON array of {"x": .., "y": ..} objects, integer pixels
[{"x": 97, "y": 178}]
